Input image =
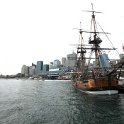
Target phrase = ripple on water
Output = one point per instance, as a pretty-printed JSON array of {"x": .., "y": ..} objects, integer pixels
[{"x": 56, "y": 102}]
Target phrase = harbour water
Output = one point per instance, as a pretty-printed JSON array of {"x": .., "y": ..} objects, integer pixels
[{"x": 55, "y": 102}]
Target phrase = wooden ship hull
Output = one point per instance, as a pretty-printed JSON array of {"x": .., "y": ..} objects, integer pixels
[{"x": 97, "y": 86}]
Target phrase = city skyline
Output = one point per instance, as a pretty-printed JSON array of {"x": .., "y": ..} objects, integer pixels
[
  {"x": 43, "y": 30},
  {"x": 66, "y": 64}
]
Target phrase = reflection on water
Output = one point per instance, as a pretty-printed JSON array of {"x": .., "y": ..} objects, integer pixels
[{"x": 56, "y": 102}]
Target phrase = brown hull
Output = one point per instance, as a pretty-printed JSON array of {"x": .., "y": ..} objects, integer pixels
[{"x": 100, "y": 83}]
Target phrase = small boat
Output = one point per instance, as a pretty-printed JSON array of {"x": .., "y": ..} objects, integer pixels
[{"x": 95, "y": 74}]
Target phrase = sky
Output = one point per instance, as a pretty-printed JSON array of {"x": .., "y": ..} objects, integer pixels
[{"x": 43, "y": 30}]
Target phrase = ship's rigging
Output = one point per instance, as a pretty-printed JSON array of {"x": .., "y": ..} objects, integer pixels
[{"x": 101, "y": 74}]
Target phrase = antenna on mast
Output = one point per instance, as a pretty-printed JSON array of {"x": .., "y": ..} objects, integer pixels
[
  {"x": 92, "y": 6},
  {"x": 92, "y": 10}
]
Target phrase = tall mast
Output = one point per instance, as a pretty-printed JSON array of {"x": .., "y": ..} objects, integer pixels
[
  {"x": 96, "y": 40},
  {"x": 81, "y": 51}
]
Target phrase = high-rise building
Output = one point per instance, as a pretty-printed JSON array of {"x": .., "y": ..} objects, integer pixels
[
  {"x": 56, "y": 63},
  {"x": 25, "y": 70},
  {"x": 45, "y": 68},
  {"x": 71, "y": 59},
  {"x": 39, "y": 67},
  {"x": 63, "y": 61},
  {"x": 32, "y": 70},
  {"x": 51, "y": 65}
]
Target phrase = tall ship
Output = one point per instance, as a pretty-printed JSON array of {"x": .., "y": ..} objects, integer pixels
[{"x": 95, "y": 73}]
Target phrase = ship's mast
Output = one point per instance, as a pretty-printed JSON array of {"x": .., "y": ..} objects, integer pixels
[
  {"x": 96, "y": 40},
  {"x": 81, "y": 51}
]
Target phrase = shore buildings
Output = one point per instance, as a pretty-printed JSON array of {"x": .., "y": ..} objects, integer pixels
[{"x": 67, "y": 64}]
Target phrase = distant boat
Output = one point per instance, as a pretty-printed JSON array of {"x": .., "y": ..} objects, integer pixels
[{"x": 99, "y": 76}]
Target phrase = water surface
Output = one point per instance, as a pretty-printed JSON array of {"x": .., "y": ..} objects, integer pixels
[{"x": 56, "y": 102}]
